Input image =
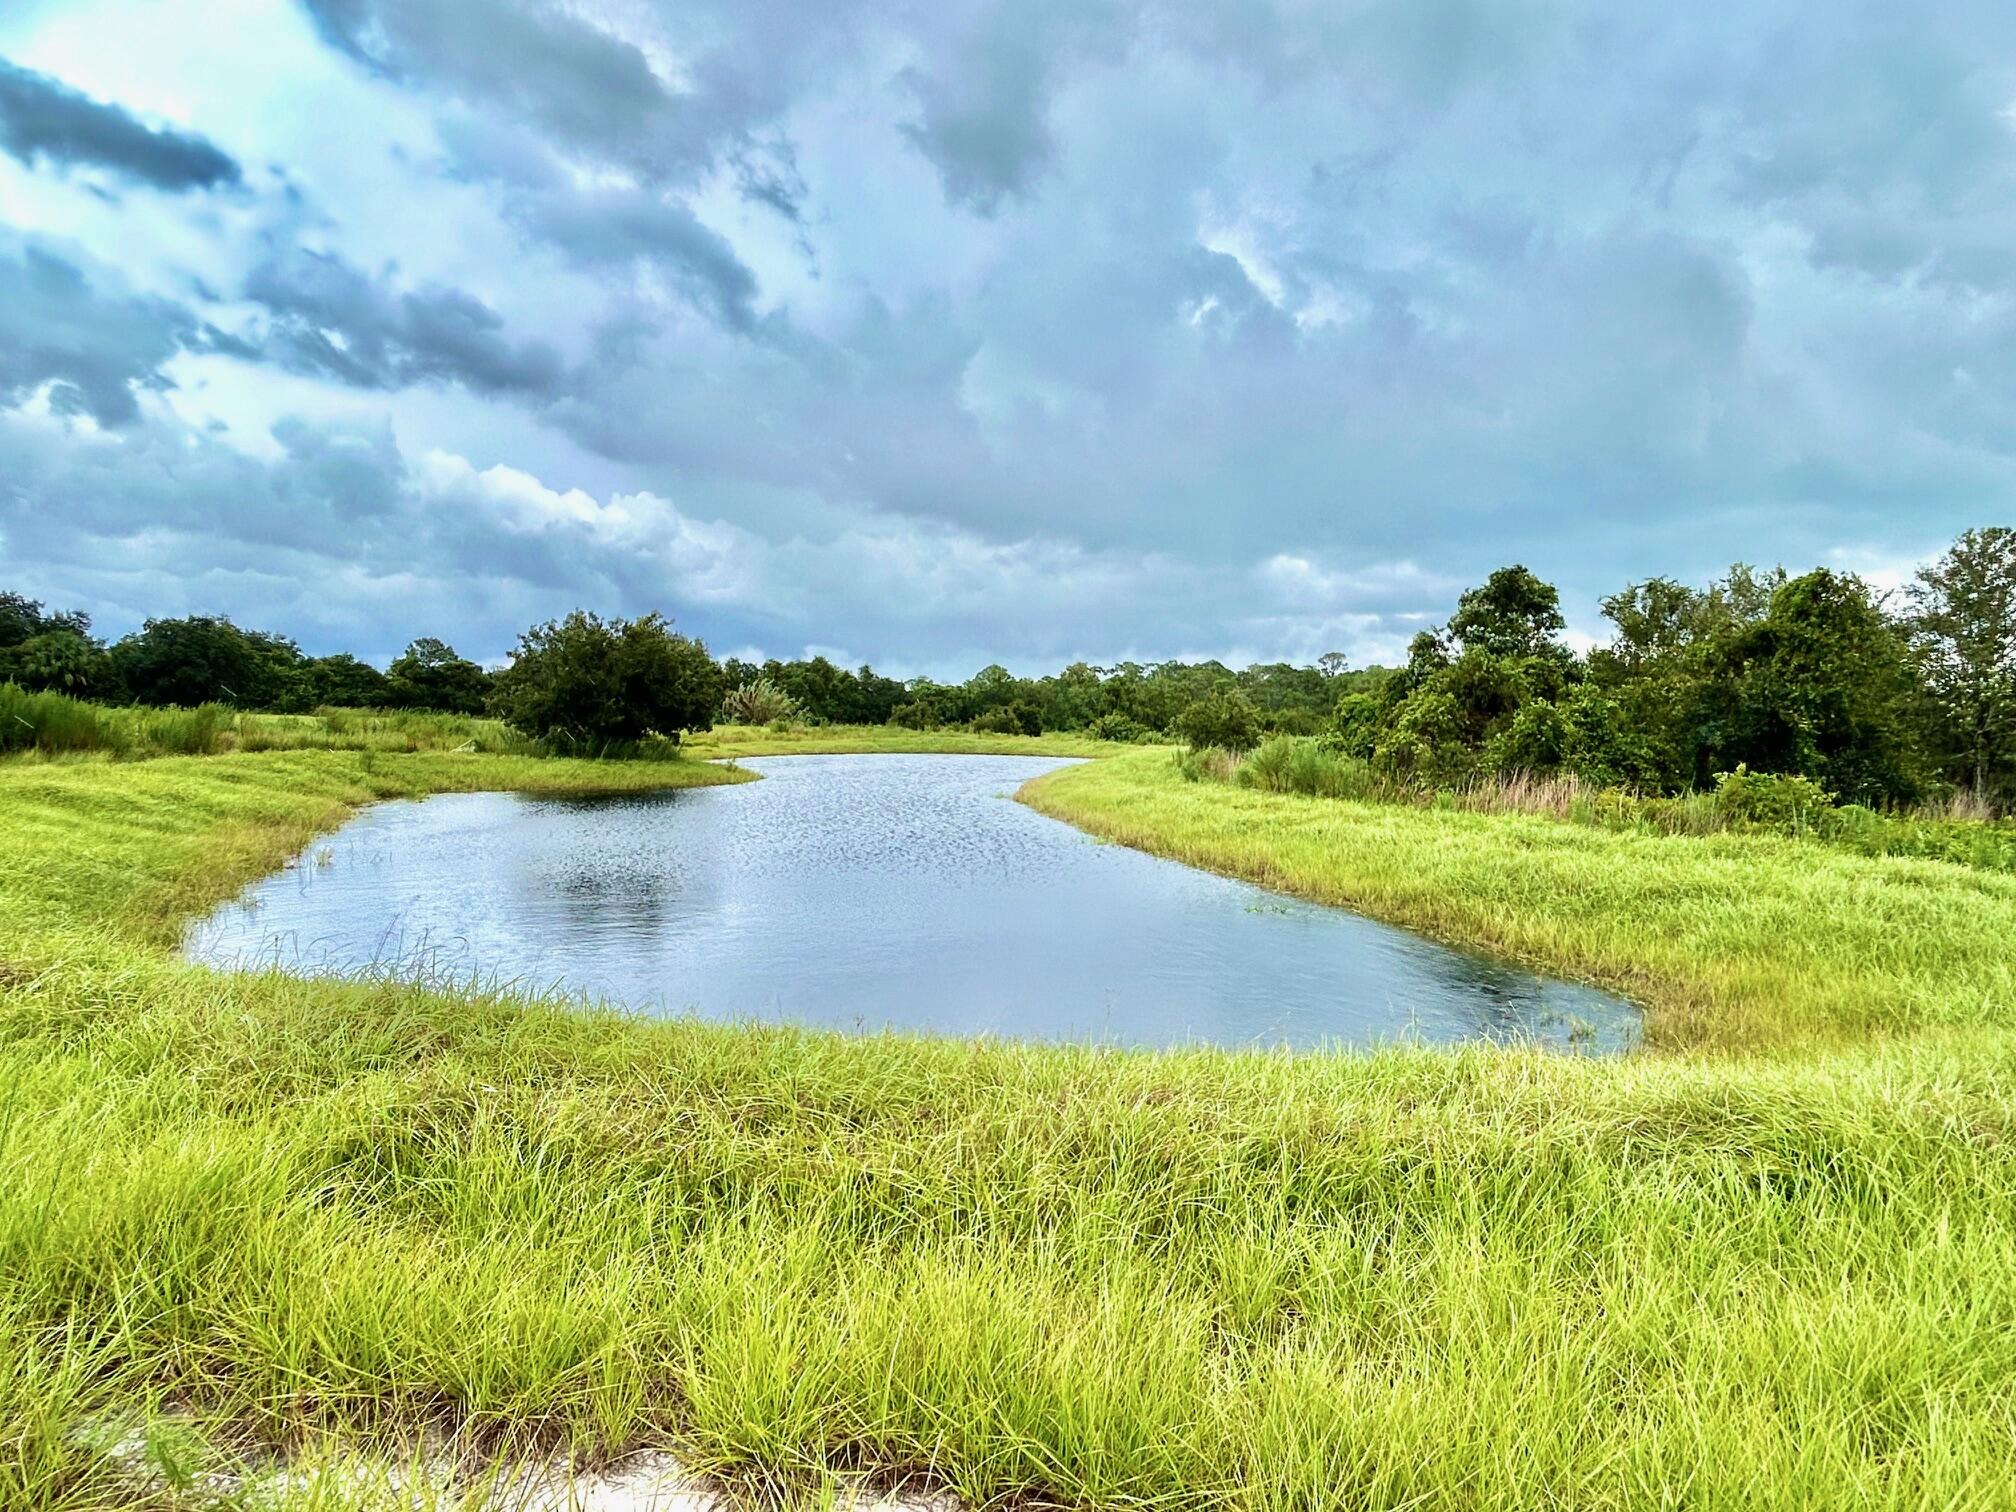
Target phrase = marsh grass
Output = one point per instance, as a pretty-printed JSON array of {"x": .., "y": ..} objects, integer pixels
[
  {"x": 256, "y": 1213},
  {"x": 1959, "y": 829}
]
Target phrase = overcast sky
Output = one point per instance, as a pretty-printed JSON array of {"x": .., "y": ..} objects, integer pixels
[{"x": 938, "y": 333}]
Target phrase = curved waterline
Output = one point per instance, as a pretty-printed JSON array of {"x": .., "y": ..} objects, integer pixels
[{"x": 871, "y": 892}]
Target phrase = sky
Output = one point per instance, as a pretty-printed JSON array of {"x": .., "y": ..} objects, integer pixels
[{"x": 934, "y": 333}]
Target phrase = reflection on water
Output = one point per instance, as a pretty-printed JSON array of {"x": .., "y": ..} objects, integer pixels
[{"x": 871, "y": 892}]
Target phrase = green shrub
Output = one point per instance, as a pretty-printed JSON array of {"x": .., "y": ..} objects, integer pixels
[
  {"x": 58, "y": 661},
  {"x": 1355, "y": 726},
  {"x": 1221, "y": 721},
  {"x": 1014, "y": 719},
  {"x": 1424, "y": 743},
  {"x": 1770, "y": 800},
  {"x": 429, "y": 675},
  {"x": 1297, "y": 764},
  {"x": 1206, "y": 764},
  {"x": 761, "y": 702},
  {"x": 596, "y": 685},
  {"x": 1118, "y": 727}
]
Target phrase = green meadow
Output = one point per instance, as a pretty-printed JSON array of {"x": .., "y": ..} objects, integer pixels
[{"x": 1767, "y": 1261}]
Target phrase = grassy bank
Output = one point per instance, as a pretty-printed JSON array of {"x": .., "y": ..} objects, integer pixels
[
  {"x": 1052, "y": 1276},
  {"x": 50, "y": 727},
  {"x": 1730, "y": 940}
]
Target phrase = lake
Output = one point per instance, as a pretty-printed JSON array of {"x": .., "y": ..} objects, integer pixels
[{"x": 864, "y": 893}]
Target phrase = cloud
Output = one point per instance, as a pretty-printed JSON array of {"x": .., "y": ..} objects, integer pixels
[
  {"x": 43, "y": 120},
  {"x": 93, "y": 350},
  {"x": 1020, "y": 330},
  {"x": 157, "y": 519},
  {"x": 623, "y": 230},
  {"x": 525, "y": 61},
  {"x": 328, "y": 318}
]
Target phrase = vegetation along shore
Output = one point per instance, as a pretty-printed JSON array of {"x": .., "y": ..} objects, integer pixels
[{"x": 1768, "y": 1260}]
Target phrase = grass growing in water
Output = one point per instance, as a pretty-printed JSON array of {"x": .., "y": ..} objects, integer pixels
[{"x": 1431, "y": 1279}]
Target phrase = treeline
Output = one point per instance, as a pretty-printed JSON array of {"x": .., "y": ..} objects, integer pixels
[
  {"x": 207, "y": 659},
  {"x": 1879, "y": 699}
]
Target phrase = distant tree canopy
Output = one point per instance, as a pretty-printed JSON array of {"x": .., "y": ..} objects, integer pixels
[
  {"x": 24, "y": 619},
  {"x": 59, "y": 661},
  {"x": 429, "y": 675},
  {"x": 342, "y": 681},
  {"x": 587, "y": 681},
  {"x": 1814, "y": 676},
  {"x": 205, "y": 659}
]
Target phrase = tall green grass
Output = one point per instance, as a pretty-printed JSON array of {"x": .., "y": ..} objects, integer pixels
[
  {"x": 1419, "y": 1279},
  {"x": 1743, "y": 802},
  {"x": 50, "y": 724},
  {"x": 1731, "y": 939}
]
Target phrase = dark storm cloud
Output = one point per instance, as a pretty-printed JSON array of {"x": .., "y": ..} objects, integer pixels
[
  {"x": 615, "y": 229},
  {"x": 533, "y": 62},
  {"x": 94, "y": 348},
  {"x": 619, "y": 230},
  {"x": 329, "y": 318},
  {"x": 985, "y": 134},
  {"x": 44, "y": 120}
]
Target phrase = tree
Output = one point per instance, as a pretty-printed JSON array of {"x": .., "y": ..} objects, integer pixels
[
  {"x": 1963, "y": 629},
  {"x": 1825, "y": 691},
  {"x": 23, "y": 619},
  {"x": 344, "y": 682},
  {"x": 58, "y": 661},
  {"x": 1675, "y": 673},
  {"x": 1225, "y": 720},
  {"x": 585, "y": 680},
  {"x": 205, "y": 659},
  {"x": 429, "y": 675},
  {"x": 1511, "y": 614}
]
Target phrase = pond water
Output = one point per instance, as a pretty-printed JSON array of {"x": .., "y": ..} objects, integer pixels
[{"x": 870, "y": 892}]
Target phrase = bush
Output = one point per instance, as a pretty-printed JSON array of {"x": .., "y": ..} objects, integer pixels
[
  {"x": 1118, "y": 727},
  {"x": 1295, "y": 764},
  {"x": 595, "y": 685},
  {"x": 344, "y": 681},
  {"x": 1014, "y": 719},
  {"x": 1770, "y": 800},
  {"x": 1220, "y": 721},
  {"x": 1532, "y": 741},
  {"x": 1206, "y": 764},
  {"x": 1291, "y": 721},
  {"x": 1424, "y": 743},
  {"x": 912, "y": 716},
  {"x": 760, "y": 702},
  {"x": 1354, "y": 728}
]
